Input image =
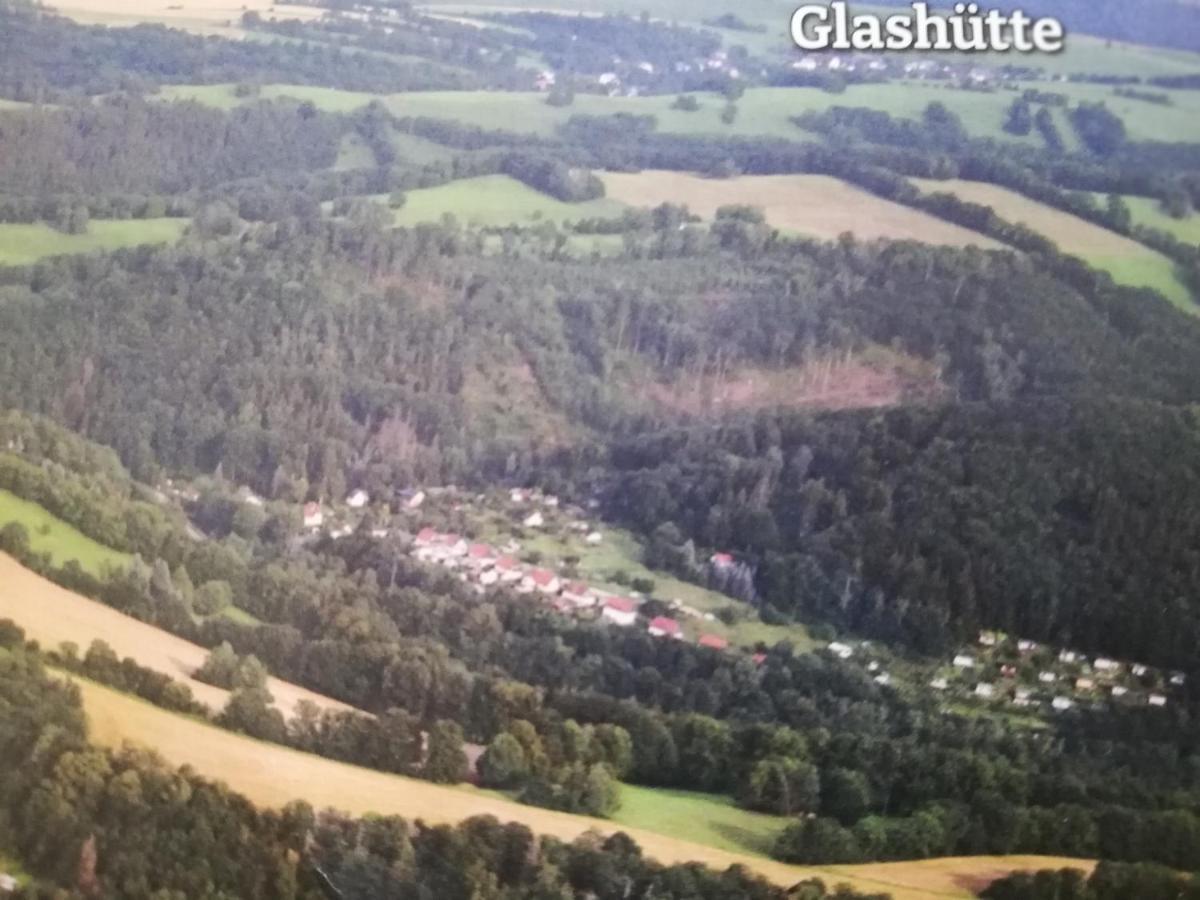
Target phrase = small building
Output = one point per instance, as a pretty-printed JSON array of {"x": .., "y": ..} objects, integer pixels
[
  {"x": 534, "y": 520},
  {"x": 840, "y": 650},
  {"x": 248, "y": 496},
  {"x": 988, "y": 638},
  {"x": 313, "y": 516},
  {"x": 1139, "y": 670},
  {"x": 1084, "y": 684},
  {"x": 1007, "y": 671},
  {"x": 425, "y": 537},
  {"x": 544, "y": 581},
  {"x": 594, "y": 538},
  {"x": 1178, "y": 679},
  {"x": 759, "y": 658},
  {"x": 619, "y": 611},
  {"x": 550, "y": 501},
  {"x": 1025, "y": 646},
  {"x": 508, "y": 570},
  {"x": 962, "y": 661},
  {"x": 1047, "y": 677},
  {"x": 1156, "y": 700},
  {"x": 1062, "y": 703},
  {"x": 519, "y": 495},
  {"x": 358, "y": 499},
  {"x": 985, "y": 691},
  {"x": 1106, "y": 665},
  {"x": 1068, "y": 656},
  {"x": 1119, "y": 690},
  {"x": 664, "y": 627},
  {"x": 883, "y": 679},
  {"x": 481, "y": 556},
  {"x": 415, "y": 501},
  {"x": 713, "y": 642},
  {"x": 488, "y": 577},
  {"x": 939, "y": 684},
  {"x": 579, "y": 595},
  {"x": 721, "y": 560}
]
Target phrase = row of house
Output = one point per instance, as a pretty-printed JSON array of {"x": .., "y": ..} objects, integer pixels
[{"x": 485, "y": 566}]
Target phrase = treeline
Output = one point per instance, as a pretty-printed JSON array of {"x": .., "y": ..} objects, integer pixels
[
  {"x": 93, "y": 823},
  {"x": 1109, "y": 881}
]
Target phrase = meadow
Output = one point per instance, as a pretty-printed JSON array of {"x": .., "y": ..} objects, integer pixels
[
  {"x": 208, "y": 17},
  {"x": 21, "y": 244},
  {"x": 1146, "y": 211},
  {"x": 811, "y": 205},
  {"x": 1126, "y": 260},
  {"x": 53, "y": 615},
  {"x": 271, "y": 775},
  {"x": 497, "y": 200},
  {"x": 49, "y": 534}
]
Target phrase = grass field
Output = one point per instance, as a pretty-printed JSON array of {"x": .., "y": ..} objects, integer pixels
[
  {"x": 216, "y": 17},
  {"x": 1126, "y": 260},
  {"x": 353, "y": 153},
  {"x": 812, "y": 205},
  {"x": 1147, "y": 212},
  {"x": 21, "y": 244},
  {"x": 497, "y": 200},
  {"x": 271, "y": 775},
  {"x": 49, "y": 534},
  {"x": 701, "y": 818},
  {"x": 52, "y": 615}
]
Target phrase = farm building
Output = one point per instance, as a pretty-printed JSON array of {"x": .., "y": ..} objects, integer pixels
[
  {"x": 841, "y": 651},
  {"x": 962, "y": 661},
  {"x": 664, "y": 627},
  {"x": 313, "y": 516},
  {"x": 1106, "y": 665},
  {"x": 713, "y": 642},
  {"x": 1156, "y": 700},
  {"x": 358, "y": 499},
  {"x": 534, "y": 520},
  {"x": 619, "y": 611},
  {"x": 1062, "y": 703}
]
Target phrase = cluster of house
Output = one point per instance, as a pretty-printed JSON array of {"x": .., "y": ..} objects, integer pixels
[
  {"x": 486, "y": 566},
  {"x": 1075, "y": 680}
]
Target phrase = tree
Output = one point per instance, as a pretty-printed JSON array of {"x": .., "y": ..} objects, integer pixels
[
  {"x": 845, "y": 795},
  {"x": 250, "y": 711},
  {"x": 445, "y": 761},
  {"x": 782, "y": 785},
  {"x": 503, "y": 764},
  {"x": 819, "y": 840},
  {"x": 213, "y": 597}
]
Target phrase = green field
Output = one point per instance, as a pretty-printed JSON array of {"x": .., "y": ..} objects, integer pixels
[
  {"x": 706, "y": 819},
  {"x": 21, "y": 244},
  {"x": 48, "y": 534},
  {"x": 353, "y": 153},
  {"x": 496, "y": 200},
  {"x": 1147, "y": 211}
]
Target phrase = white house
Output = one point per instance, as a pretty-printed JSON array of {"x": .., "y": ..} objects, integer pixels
[
  {"x": 1068, "y": 656},
  {"x": 488, "y": 577},
  {"x": 415, "y": 501},
  {"x": 508, "y": 570},
  {"x": 883, "y": 678},
  {"x": 1178, "y": 679},
  {"x": 8, "y": 883},
  {"x": 841, "y": 651},
  {"x": 619, "y": 611},
  {"x": 1062, "y": 703},
  {"x": 358, "y": 499},
  {"x": 939, "y": 684},
  {"x": 534, "y": 520},
  {"x": 543, "y": 580},
  {"x": 808, "y": 64},
  {"x": 313, "y": 516},
  {"x": 962, "y": 661},
  {"x": 579, "y": 595},
  {"x": 594, "y": 538},
  {"x": 988, "y": 638},
  {"x": 1025, "y": 646},
  {"x": 1119, "y": 691},
  {"x": 664, "y": 627},
  {"x": 1106, "y": 665},
  {"x": 1156, "y": 700},
  {"x": 1139, "y": 670},
  {"x": 986, "y": 691},
  {"x": 1047, "y": 677}
]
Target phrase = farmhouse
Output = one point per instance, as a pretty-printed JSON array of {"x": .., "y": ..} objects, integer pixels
[
  {"x": 313, "y": 517},
  {"x": 1047, "y": 677},
  {"x": 579, "y": 595},
  {"x": 1156, "y": 700},
  {"x": 619, "y": 611},
  {"x": 1026, "y": 646},
  {"x": 939, "y": 684},
  {"x": 664, "y": 627},
  {"x": 841, "y": 651},
  {"x": 1106, "y": 665},
  {"x": 534, "y": 520},
  {"x": 508, "y": 569},
  {"x": 986, "y": 691},
  {"x": 962, "y": 661},
  {"x": 712, "y": 642},
  {"x": 1062, "y": 703},
  {"x": 543, "y": 581},
  {"x": 358, "y": 499}
]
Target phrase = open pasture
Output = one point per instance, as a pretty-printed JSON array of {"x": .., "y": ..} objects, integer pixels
[
  {"x": 21, "y": 244},
  {"x": 49, "y": 534},
  {"x": 811, "y": 205},
  {"x": 497, "y": 200}
]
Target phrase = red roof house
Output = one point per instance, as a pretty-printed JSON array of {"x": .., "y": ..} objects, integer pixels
[
  {"x": 664, "y": 627},
  {"x": 713, "y": 642}
]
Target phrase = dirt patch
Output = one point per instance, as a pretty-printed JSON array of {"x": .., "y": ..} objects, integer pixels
[{"x": 843, "y": 382}]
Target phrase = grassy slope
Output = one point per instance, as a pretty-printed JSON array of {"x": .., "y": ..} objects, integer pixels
[
  {"x": 49, "y": 534},
  {"x": 702, "y": 818},
  {"x": 21, "y": 244},
  {"x": 1147, "y": 212},
  {"x": 812, "y": 205},
  {"x": 496, "y": 200},
  {"x": 271, "y": 775},
  {"x": 1126, "y": 260},
  {"x": 51, "y": 615}
]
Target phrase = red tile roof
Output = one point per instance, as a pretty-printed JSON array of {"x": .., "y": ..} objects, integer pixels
[
  {"x": 621, "y": 604},
  {"x": 481, "y": 551},
  {"x": 759, "y": 658},
  {"x": 711, "y": 640},
  {"x": 505, "y": 563},
  {"x": 542, "y": 577},
  {"x": 722, "y": 559},
  {"x": 425, "y": 535},
  {"x": 577, "y": 587},
  {"x": 665, "y": 625}
]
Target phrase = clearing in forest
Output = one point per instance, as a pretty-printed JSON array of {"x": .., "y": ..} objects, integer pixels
[
  {"x": 22, "y": 244},
  {"x": 1128, "y": 262},
  {"x": 272, "y": 775},
  {"x": 811, "y": 205},
  {"x": 52, "y": 615},
  {"x": 497, "y": 200}
]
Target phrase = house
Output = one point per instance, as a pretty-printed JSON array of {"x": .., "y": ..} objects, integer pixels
[
  {"x": 759, "y": 658},
  {"x": 579, "y": 595},
  {"x": 534, "y": 520},
  {"x": 8, "y": 883},
  {"x": 712, "y": 642},
  {"x": 415, "y": 501},
  {"x": 1156, "y": 700},
  {"x": 619, "y": 611},
  {"x": 988, "y": 638},
  {"x": 1084, "y": 684},
  {"x": 1119, "y": 691},
  {"x": 984, "y": 690},
  {"x": 425, "y": 537},
  {"x": 841, "y": 651},
  {"x": 550, "y": 502},
  {"x": 664, "y": 627},
  {"x": 508, "y": 570},
  {"x": 1047, "y": 677},
  {"x": 1068, "y": 656},
  {"x": 721, "y": 560},
  {"x": 607, "y": 79},
  {"x": 1139, "y": 670},
  {"x": 939, "y": 684},
  {"x": 808, "y": 64},
  {"x": 358, "y": 499},
  {"x": 1007, "y": 671},
  {"x": 341, "y": 532},
  {"x": 481, "y": 556},
  {"x": 883, "y": 678},
  {"x": 1178, "y": 679},
  {"x": 962, "y": 661},
  {"x": 1106, "y": 665},
  {"x": 519, "y": 495},
  {"x": 249, "y": 497},
  {"x": 1024, "y": 646},
  {"x": 873, "y": 666},
  {"x": 542, "y": 580},
  {"x": 1062, "y": 703},
  {"x": 313, "y": 517},
  {"x": 594, "y": 538},
  {"x": 1023, "y": 694},
  {"x": 488, "y": 577},
  {"x": 379, "y": 533},
  {"x": 545, "y": 80}
]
